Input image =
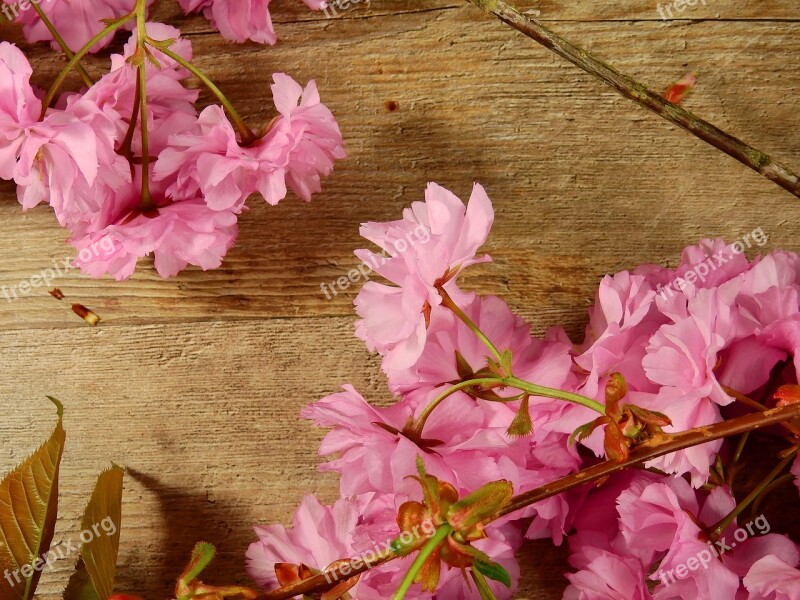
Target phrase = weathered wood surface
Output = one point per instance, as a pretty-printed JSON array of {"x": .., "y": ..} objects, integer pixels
[{"x": 195, "y": 383}]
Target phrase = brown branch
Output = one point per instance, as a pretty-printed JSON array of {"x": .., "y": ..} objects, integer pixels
[
  {"x": 639, "y": 93},
  {"x": 655, "y": 447},
  {"x": 325, "y": 580}
]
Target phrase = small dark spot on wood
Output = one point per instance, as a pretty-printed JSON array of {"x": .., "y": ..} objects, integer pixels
[
  {"x": 392, "y": 105},
  {"x": 57, "y": 294}
]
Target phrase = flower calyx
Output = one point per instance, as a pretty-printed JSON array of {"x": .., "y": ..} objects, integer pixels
[
  {"x": 464, "y": 519},
  {"x": 626, "y": 425}
]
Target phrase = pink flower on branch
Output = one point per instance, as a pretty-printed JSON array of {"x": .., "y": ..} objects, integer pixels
[
  {"x": 299, "y": 148},
  {"x": 179, "y": 234},
  {"x": 394, "y": 319},
  {"x": 77, "y": 21},
  {"x": 85, "y": 155},
  {"x": 241, "y": 20}
]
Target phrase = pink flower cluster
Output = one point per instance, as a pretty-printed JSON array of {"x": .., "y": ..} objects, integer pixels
[
  {"x": 241, "y": 20},
  {"x": 681, "y": 350},
  {"x": 78, "y": 21},
  {"x": 83, "y": 156}
]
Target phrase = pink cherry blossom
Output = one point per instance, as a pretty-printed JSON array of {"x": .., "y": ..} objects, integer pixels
[
  {"x": 650, "y": 518},
  {"x": 608, "y": 576},
  {"x": 686, "y": 410},
  {"x": 179, "y": 234},
  {"x": 372, "y": 456},
  {"x": 770, "y": 578},
  {"x": 300, "y": 146},
  {"x": 236, "y": 20},
  {"x": 596, "y": 520},
  {"x": 362, "y": 527},
  {"x": 447, "y": 335},
  {"x": 393, "y": 319},
  {"x": 70, "y": 162},
  {"x": 708, "y": 264},
  {"x": 316, "y": 141},
  {"x": 690, "y": 570},
  {"x": 241, "y": 20},
  {"x": 623, "y": 318},
  {"x": 19, "y": 106},
  {"x": 320, "y": 536},
  {"x": 207, "y": 160},
  {"x": 167, "y": 98},
  {"x": 693, "y": 566},
  {"x": 77, "y": 21},
  {"x": 159, "y": 32},
  {"x": 684, "y": 354}
]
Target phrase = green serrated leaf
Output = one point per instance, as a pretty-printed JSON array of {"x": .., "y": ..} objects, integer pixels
[
  {"x": 493, "y": 571},
  {"x": 151, "y": 58},
  {"x": 94, "y": 576},
  {"x": 28, "y": 511},
  {"x": 161, "y": 44},
  {"x": 430, "y": 487},
  {"x": 522, "y": 424},
  {"x": 584, "y": 431}
]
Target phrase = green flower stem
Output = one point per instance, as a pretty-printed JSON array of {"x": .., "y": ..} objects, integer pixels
[
  {"x": 57, "y": 37},
  {"x": 718, "y": 529},
  {"x": 419, "y": 423},
  {"x": 527, "y": 387},
  {"x": 746, "y": 400},
  {"x": 147, "y": 200},
  {"x": 441, "y": 533},
  {"x": 785, "y": 478},
  {"x": 448, "y": 303},
  {"x": 737, "y": 455},
  {"x": 531, "y": 388},
  {"x": 51, "y": 93},
  {"x": 247, "y": 135},
  {"x": 126, "y": 145},
  {"x": 538, "y": 390},
  {"x": 483, "y": 586},
  {"x": 141, "y": 27}
]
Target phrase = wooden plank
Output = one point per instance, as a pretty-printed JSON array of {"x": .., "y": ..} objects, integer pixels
[
  {"x": 557, "y": 152},
  {"x": 545, "y": 10},
  {"x": 205, "y": 415},
  {"x": 195, "y": 383}
]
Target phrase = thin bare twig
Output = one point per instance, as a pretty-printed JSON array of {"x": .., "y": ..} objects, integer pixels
[
  {"x": 655, "y": 447},
  {"x": 639, "y": 93}
]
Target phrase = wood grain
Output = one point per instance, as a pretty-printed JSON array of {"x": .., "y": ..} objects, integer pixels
[{"x": 195, "y": 383}]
